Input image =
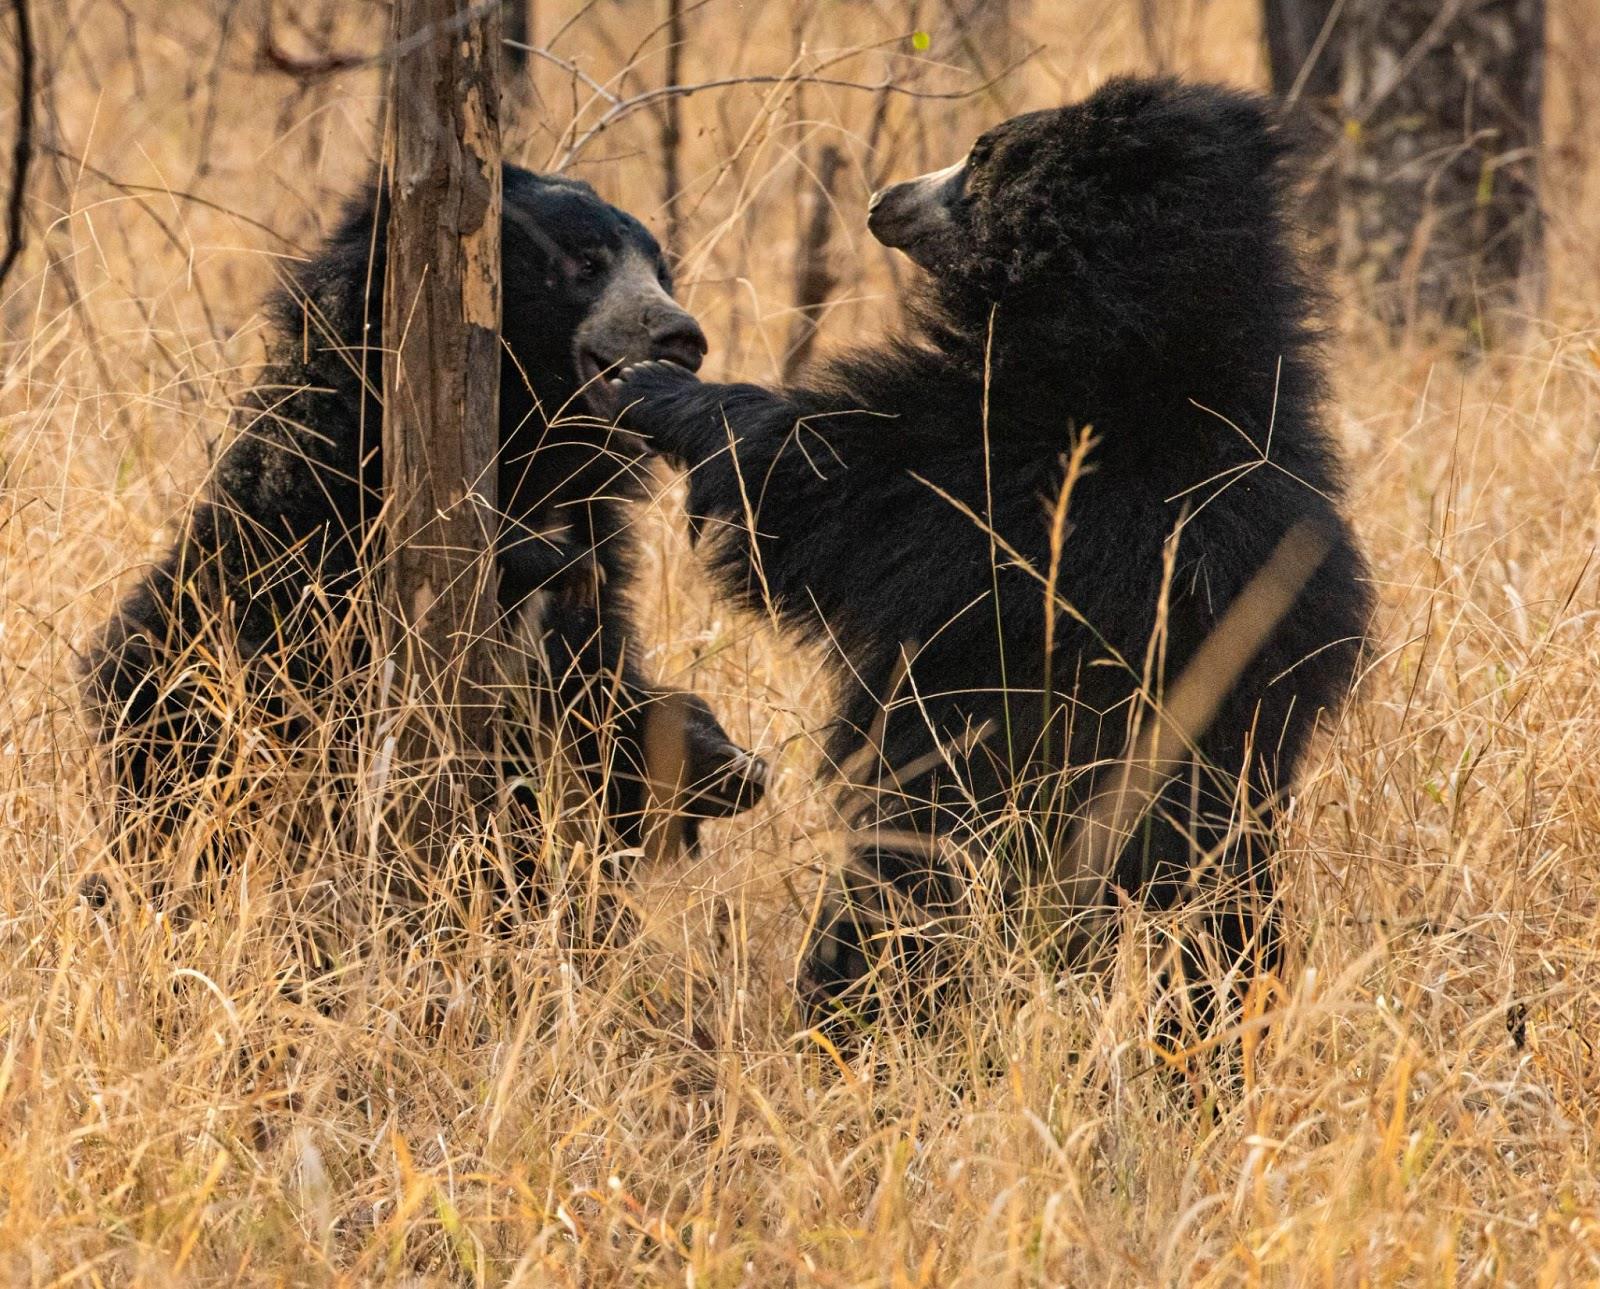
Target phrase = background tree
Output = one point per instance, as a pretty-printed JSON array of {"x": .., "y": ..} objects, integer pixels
[
  {"x": 1427, "y": 189},
  {"x": 517, "y": 31},
  {"x": 441, "y": 383}
]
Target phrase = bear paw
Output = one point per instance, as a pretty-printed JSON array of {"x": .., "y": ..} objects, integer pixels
[{"x": 652, "y": 376}]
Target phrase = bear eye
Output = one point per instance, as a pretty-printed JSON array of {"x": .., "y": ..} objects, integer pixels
[
  {"x": 982, "y": 150},
  {"x": 590, "y": 265}
]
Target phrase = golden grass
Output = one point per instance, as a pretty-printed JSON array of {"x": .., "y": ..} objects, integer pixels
[{"x": 476, "y": 1107}]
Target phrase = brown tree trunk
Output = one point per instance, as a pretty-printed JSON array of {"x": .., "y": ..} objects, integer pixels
[
  {"x": 672, "y": 131},
  {"x": 441, "y": 386},
  {"x": 814, "y": 279},
  {"x": 1427, "y": 190},
  {"x": 1297, "y": 33},
  {"x": 517, "y": 27}
]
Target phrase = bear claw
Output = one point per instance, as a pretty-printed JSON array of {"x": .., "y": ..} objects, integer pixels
[{"x": 663, "y": 365}]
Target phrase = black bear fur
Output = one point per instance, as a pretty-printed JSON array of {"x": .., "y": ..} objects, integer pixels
[
  {"x": 1123, "y": 266},
  {"x": 267, "y": 557}
]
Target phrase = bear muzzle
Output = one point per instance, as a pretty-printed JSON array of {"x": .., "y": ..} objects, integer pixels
[
  {"x": 633, "y": 321},
  {"x": 916, "y": 216}
]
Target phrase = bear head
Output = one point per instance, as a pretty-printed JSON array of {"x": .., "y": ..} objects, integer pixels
[
  {"x": 1147, "y": 216},
  {"x": 585, "y": 290}
]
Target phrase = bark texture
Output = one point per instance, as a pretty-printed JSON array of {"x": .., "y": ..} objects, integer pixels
[{"x": 441, "y": 379}]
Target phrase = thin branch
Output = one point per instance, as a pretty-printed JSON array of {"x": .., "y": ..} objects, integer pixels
[
  {"x": 621, "y": 108},
  {"x": 158, "y": 190},
  {"x": 1315, "y": 53},
  {"x": 22, "y": 154},
  {"x": 814, "y": 280},
  {"x": 672, "y": 130},
  {"x": 566, "y": 65},
  {"x": 272, "y": 55},
  {"x": 268, "y": 54}
]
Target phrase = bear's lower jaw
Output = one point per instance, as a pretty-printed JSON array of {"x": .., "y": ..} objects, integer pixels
[{"x": 594, "y": 391}]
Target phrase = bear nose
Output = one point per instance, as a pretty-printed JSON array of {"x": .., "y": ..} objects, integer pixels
[
  {"x": 886, "y": 214},
  {"x": 677, "y": 337}
]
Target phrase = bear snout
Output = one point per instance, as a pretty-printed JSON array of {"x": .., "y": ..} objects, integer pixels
[
  {"x": 634, "y": 320},
  {"x": 915, "y": 216},
  {"x": 677, "y": 337}
]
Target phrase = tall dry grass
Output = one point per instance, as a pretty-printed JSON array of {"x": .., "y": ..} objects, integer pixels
[{"x": 297, "y": 1088}]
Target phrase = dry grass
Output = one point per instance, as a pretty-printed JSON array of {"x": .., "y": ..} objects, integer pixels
[{"x": 501, "y": 1108}]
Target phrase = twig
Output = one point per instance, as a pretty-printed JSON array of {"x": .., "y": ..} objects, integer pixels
[
  {"x": 158, "y": 190},
  {"x": 22, "y": 154},
  {"x": 621, "y": 108},
  {"x": 568, "y": 66},
  {"x": 1425, "y": 44},
  {"x": 208, "y": 123},
  {"x": 269, "y": 55},
  {"x": 1315, "y": 52},
  {"x": 272, "y": 55}
]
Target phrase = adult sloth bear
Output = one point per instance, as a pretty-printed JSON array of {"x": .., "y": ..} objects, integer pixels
[
  {"x": 267, "y": 559},
  {"x": 1122, "y": 265}
]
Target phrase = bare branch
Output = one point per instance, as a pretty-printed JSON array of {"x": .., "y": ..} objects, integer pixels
[
  {"x": 621, "y": 108},
  {"x": 566, "y": 65},
  {"x": 139, "y": 191},
  {"x": 814, "y": 279},
  {"x": 672, "y": 130},
  {"x": 269, "y": 55}
]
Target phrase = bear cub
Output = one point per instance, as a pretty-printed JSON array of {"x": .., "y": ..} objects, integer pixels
[
  {"x": 1123, "y": 269},
  {"x": 266, "y": 560}
]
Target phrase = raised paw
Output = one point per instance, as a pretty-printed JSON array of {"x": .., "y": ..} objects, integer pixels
[{"x": 633, "y": 389}]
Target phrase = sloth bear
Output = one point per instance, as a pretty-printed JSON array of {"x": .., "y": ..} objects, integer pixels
[
  {"x": 1120, "y": 269},
  {"x": 265, "y": 565}
]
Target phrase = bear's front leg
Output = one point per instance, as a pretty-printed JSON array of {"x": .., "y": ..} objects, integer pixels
[
  {"x": 690, "y": 421},
  {"x": 668, "y": 407},
  {"x": 532, "y": 560},
  {"x": 883, "y": 941}
]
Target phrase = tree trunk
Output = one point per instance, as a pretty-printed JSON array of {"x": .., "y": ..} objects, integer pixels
[
  {"x": 441, "y": 379},
  {"x": 1427, "y": 190},
  {"x": 814, "y": 278},
  {"x": 518, "y": 27},
  {"x": 672, "y": 131},
  {"x": 1297, "y": 51}
]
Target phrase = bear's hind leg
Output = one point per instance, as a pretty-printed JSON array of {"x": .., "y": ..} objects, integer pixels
[{"x": 882, "y": 945}]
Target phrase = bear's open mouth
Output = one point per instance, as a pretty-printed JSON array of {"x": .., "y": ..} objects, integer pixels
[
  {"x": 593, "y": 368},
  {"x": 596, "y": 372},
  {"x": 592, "y": 365}
]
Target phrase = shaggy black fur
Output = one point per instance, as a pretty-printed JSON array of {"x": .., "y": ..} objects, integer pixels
[
  {"x": 268, "y": 557},
  {"x": 1124, "y": 264}
]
